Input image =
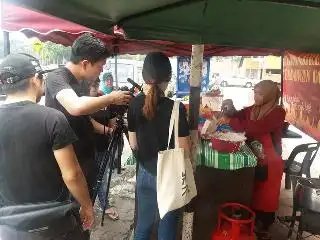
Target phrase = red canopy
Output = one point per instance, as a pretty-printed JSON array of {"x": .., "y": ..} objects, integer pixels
[{"x": 49, "y": 28}]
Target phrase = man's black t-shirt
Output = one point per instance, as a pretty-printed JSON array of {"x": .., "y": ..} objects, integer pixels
[
  {"x": 61, "y": 79},
  {"x": 152, "y": 136},
  {"x": 29, "y": 133}
]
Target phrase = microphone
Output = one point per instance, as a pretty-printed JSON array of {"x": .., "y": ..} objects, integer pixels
[{"x": 134, "y": 84}]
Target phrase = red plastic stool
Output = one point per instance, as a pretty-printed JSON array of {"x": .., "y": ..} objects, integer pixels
[{"x": 236, "y": 222}]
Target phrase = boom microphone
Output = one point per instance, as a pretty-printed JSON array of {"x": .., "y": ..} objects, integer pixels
[{"x": 133, "y": 83}]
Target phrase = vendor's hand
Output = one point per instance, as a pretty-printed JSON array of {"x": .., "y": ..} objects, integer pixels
[
  {"x": 228, "y": 108},
  {"x": 260, "y": 155},
  {"x": 110, "y": 130},
  {"x": 228, "y": 103}
]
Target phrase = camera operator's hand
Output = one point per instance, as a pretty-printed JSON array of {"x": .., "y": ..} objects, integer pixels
[
  {"x": 87, "y": 217},
  {"x": 120, "y": 97},
  {"x": 110, "y": 130}
]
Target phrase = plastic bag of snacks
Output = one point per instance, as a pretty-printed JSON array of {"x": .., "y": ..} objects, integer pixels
[
  {"x": 230, "y": 136},
  {"x": 209, "y": 127},
  {"x": 205, "y": 112},
  {"x": 223, "y": 125}
]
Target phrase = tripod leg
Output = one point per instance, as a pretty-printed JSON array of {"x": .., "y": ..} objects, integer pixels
[
  {"x": 104, "y": 162},
  {"x": 119, "y": 153},
  {"x": 113, "y": 151},
  {"x": 126, "y": 132}
]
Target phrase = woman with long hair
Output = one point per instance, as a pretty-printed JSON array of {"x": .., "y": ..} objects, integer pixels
[
  {"x": 148, "y": 122},
  {"x": 263, "y": 122}
]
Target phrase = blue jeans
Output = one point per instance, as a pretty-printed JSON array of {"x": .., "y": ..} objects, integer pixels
[{"x": 148, "y": 209}]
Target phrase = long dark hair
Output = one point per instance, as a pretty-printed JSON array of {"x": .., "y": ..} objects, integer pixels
[{"x": 156, "y": 70}]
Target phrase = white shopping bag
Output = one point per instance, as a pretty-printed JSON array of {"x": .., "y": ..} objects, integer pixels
[{"x": 175, "y": 180}]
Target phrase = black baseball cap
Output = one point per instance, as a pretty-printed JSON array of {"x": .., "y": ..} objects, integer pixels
[{"x": 18, "y": 67}]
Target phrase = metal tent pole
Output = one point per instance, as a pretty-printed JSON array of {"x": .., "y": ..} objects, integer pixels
[
  {"x": 6, "y": 36},
  {"x": 116, "y": 71},
  {"x": 6, "y": 43},
  {"x": 282, "y": 56}
]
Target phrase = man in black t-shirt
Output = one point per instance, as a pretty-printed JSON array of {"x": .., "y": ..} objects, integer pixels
[
  {"x": 37, "y": 160},
  {"x": 66, "y": 92}
]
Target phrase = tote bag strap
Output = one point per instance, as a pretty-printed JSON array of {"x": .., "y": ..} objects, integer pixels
[{"x": 174, "y": 124}]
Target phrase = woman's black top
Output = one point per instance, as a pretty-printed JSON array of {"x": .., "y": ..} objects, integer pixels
[{"x": 152, "y": 136}]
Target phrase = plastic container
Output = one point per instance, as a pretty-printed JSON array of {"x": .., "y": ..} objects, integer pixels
[{"x": 225, "y": 146}]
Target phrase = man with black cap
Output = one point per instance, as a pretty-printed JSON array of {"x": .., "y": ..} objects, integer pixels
[{"x": 37, "y": 160}]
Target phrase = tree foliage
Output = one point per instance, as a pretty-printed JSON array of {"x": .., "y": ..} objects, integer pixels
[
  {"x": 52, "y": 53},
  {"x": 47, "y": 52}
]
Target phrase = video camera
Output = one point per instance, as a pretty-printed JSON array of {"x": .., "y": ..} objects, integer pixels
[{"x": 117, "y": 110}]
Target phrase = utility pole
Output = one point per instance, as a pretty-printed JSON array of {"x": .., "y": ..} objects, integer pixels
[{"x": 194, "y": 106}]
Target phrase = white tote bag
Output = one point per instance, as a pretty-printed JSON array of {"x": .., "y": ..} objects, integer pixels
[{"x": 175, "y": 180}]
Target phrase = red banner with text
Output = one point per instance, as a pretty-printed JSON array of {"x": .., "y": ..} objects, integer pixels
[{"x": 301, "y": 91}]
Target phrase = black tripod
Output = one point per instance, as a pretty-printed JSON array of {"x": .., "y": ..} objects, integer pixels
[{"x": 111, "y": 158}]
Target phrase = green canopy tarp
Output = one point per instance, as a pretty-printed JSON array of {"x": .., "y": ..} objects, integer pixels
[{"x": 240, "y": 23}]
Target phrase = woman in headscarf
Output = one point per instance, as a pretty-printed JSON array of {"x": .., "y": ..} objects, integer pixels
[
  {"x": 106, "y": 85},
  {"x": 263, "y": 122}
]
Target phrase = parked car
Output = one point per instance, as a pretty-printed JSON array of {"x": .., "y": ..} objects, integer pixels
[{"x": 237, "y": 81}]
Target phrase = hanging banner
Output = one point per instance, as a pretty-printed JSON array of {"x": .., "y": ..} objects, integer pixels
[
  {"x": 183, "y": 75},
  {"x": 301, "y": 91}
]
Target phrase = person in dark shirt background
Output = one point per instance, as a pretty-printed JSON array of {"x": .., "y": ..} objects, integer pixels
[
  {"x": 148, "y": 124},
  {"x": 101, "y": 142},
  {"x": 65, "y": 92},
  {"x": 37, "y": 160}
]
